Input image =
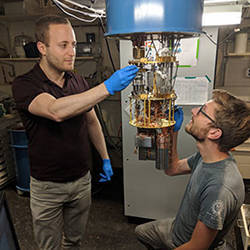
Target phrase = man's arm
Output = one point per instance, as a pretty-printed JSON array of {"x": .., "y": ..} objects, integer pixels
[
  {"x": 97, "y": 138},
  {"x": 201, "y": 239},
  {"x": 96, "y": 134},
  {"x": 177, "y": 166},
  {"x": 63, "y": 108}
]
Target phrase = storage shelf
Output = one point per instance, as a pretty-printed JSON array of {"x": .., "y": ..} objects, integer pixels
[
  {"x": 242, "y": 149},
  {"x": 36, "y": 59},
  {"x": 18, "y": 59},
  {"x": 242, "y": 54},
  {"x": 12, "y": 18},
  {"x": 17, "y": 18},
  {"x": 86, "y": 58}
]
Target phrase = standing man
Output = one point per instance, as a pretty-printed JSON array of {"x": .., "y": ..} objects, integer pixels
[
  {"x": 215, "y": 191},
  {"x": 56, "y": 109}
]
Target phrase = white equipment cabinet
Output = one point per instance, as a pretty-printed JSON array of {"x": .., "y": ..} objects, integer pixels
[{"x": 148, "y": 192}]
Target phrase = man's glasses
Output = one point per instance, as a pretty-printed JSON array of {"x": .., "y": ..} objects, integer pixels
[{"x": 204, "y": 113}]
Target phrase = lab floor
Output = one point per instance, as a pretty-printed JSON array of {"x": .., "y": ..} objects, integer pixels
[{"x": 108, "y": 228}]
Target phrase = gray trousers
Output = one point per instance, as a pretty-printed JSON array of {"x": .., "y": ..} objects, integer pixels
[
  {"x": 60, "y": 212},
  {"x": 156, "y": 234}
]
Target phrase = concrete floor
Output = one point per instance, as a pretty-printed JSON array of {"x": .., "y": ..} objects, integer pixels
[{"x": 108, "y": 228}]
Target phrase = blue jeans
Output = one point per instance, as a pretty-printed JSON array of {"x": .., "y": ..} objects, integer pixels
[{"x": 60, "y": 212}]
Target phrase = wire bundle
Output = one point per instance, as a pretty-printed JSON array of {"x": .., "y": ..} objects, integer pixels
[{"x": 73, "y": 7}]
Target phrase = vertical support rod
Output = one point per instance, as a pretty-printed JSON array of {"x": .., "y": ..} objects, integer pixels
[
  {"x": 130, "y": 109},
  {"x": 173, "y": 111},
  {"x": 169, "y": 112},
  {"x": 149, "y": 111},
  {"x": 154, "y": 84},
  {"x": 144, "y": 111}
]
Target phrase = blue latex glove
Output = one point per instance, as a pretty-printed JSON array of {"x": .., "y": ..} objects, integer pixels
[
  {"x": 178, "y": 117},
  {"x": 107, "y": 169},
  {"x": 121, "y": 79}
]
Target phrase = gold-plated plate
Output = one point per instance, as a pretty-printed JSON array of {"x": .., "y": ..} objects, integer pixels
[
  {"x": 152, "y": 97},
  {"x": 162, "y": 124},
  {"x": 163, "y": 59}
]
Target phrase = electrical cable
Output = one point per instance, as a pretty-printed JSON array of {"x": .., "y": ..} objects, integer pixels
[
  {"x": 105, "y": 129},
  {"x": 149, "y": 49},
  {"x": 75, "y": 10},
  {"x": 107, "y": 44},
  {"x": 177, "y": 44},
  {"x": 244, "y": 12},
  {"x": 173, "y": 80},
  {"x": 175, "y": 76},
  {"x": 100, "y": 12},
  {"x": 97, "y": 108},
  {"x": 221, "y": 42},
  {"x": 154, "y": 45},
  {"x": 95, "y": 14},
  {"x": 72, "y": 15}
]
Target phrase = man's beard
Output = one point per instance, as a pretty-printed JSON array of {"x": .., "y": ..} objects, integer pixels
[
  {"x": 57, "y": 66},
  {"x": 198, "y": 135}
]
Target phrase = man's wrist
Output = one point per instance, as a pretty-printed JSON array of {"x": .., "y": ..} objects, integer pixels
[
  {"x": 107, "y": 87},
  {"x": 104, "y": 89}
]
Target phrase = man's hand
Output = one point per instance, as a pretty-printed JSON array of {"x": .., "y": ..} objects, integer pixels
[
  {"x": 121, "y": 79},
  {"x": 178, "y": 117},
  {"x": 107, "y": 169}
]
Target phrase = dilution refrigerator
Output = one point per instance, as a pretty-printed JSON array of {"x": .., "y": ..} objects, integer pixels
[{"x": 150, "y": 33}]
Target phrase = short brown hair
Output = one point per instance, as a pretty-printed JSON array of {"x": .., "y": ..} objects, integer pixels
[
  {"x": 42, "y": 26},
  {"x": 233, "y": 117}
]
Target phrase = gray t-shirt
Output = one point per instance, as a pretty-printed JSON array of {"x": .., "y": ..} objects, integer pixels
[{"x": 214, "y": 195}]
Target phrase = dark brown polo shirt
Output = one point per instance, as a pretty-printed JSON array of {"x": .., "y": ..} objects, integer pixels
[{"x": 58, "y": 151}]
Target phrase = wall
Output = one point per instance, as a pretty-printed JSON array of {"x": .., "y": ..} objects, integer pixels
[
  {"x": 25, "y": 24},
  {"x": 84, "y": 67},
  {"x": 231, "y": 70},
  {"x": 95, "y": 71}
]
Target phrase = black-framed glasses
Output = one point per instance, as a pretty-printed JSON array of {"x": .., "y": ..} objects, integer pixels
[{"x": 205, "y": 114}]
